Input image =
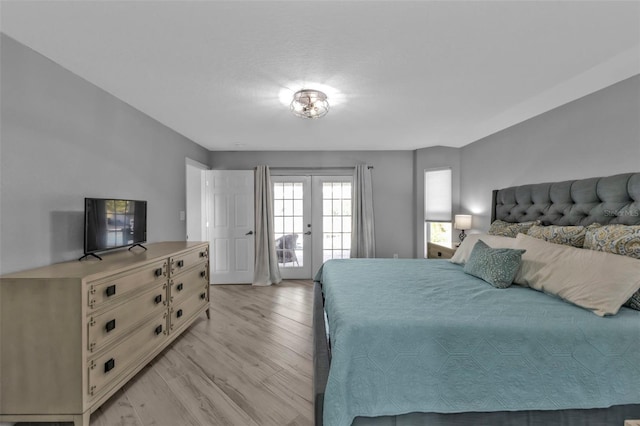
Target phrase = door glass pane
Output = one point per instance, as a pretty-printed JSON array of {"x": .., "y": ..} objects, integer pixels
[
  {"x": 336, "y": 220},
  {"x": 288, "y": 223},
  {"x": 277, "y": 191},
  {"x": 326, "y": 207},
  {"x": 327, "y": 223},
  {"x": 346, "y": 208}
]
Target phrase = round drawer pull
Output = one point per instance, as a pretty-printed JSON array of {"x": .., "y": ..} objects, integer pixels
[
  {"x": 179, "y": 313},
  {"x": 158, "y": 299},
  {"x": 157, "y": 272},
  {"x": 110, "y": 325}
]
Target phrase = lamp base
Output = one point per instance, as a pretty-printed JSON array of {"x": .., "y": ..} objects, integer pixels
[{"x": 462, "y": 236}]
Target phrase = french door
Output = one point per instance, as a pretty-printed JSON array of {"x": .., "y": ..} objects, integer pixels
[{"x": 312, "y": 222}]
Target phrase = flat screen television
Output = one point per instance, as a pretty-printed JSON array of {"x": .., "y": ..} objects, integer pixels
[{"x": 111, "y": 223}]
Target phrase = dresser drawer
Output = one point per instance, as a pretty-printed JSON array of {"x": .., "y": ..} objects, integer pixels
[
  {"x": 188, "y": 282},
  {"x": 109, "y": 325},
  {"x": 190, "y": 306},
  {"x": 119, "y": 359},
  {"x": 117, "y": 286},
  {"x": 436, "y": 251},
  {"x": 186, "y": 260}
]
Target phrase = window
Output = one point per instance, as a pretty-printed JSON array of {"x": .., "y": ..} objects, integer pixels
[
  {"x": 336, "y": 220},
  {"x": 437, "y": 206},
  {"x": 288, "y": 221},
  {"x": 439, "y": 233}
]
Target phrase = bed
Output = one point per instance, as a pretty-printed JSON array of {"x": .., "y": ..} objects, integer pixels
[{"x": 421, "y": 342}]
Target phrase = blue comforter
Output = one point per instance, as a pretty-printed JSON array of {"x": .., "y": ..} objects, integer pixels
[{"x": 421, "y": 335}]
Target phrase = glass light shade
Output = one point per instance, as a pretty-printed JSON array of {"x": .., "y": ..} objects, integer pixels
[
  {"x": 309, "y": 104},
  {"x": 462, "y": 221}
]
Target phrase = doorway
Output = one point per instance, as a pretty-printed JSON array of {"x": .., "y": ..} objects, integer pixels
[
  {"x": 312, "y": 222},
  {"x": 195, "y": 201}
]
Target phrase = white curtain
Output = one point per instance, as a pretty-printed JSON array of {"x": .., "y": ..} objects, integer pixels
[
  {"x": 363, "y": 242},
  {"x": 266, "y": 271}
]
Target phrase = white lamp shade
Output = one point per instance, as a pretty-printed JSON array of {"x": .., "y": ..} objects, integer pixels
[{"x": 462, "y": 221}]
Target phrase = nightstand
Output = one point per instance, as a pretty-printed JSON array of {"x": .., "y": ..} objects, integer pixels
[
  {"x": 436, "y": 251},
  {"x": 632, "y": 423}
]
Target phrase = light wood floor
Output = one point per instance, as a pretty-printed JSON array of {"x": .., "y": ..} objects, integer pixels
[{"x": 249, "y": 365}]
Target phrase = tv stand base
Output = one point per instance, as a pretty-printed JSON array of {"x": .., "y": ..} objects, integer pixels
[{"x": 90, "y": 254}]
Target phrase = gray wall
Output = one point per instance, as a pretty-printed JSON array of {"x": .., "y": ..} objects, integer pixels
[
  {"x": 597, "y": 135},
  {"x": 392, "y": 186},
  {"x": 63, "y": 139}
]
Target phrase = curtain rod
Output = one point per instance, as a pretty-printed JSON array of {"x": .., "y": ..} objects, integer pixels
[{"x": 315, "y": 168}]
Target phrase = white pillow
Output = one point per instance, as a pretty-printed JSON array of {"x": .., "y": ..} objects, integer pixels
[
  {"x": 494, "y": 241},
  {"x": 598, "y": 281}
]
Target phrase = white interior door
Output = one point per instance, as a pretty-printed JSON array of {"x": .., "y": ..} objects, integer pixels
[{"x": 230, "y": 223}]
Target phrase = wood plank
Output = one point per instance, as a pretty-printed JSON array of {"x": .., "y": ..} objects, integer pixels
[
  {"x": 206, "y": 402},
  {"x": 117, "y": 411},
  {"x": 155, "y": 402}
]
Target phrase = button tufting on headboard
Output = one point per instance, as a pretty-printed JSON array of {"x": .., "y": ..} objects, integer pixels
[{"x": 612, "y": 199}]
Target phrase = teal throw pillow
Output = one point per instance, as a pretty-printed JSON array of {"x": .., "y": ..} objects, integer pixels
[{"x": 497, "y": 266}]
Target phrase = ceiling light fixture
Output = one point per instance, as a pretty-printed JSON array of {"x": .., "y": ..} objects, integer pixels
[{"x": 309, "y": 103}]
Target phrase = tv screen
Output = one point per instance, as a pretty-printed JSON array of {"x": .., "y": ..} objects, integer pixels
[{"x": 113, "y": 223}]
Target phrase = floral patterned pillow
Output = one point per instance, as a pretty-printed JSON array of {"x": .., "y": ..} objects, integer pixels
[
  {"x": 508, "y": 229},
  {"x": 497, "y": 266},
  {"x": 618, "y": 239},
  {"x": 566, "y": 235}
]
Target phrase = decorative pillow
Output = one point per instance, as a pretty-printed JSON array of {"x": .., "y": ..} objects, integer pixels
[
  {"x": 497, "y": 266},
  {"x": 507, "y": 229},
  {"x": 634, "y": 301},
  {"x": 617, "y": 239},
  {"x": 461, "y": 256},
  {"x": 567, "y": 235},
  {"x": 595, "y": 280}
]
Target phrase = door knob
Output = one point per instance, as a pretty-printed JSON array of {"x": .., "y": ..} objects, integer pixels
[
  {"x": 307, "y": 233},
  {"x": 249, "y": 233}
]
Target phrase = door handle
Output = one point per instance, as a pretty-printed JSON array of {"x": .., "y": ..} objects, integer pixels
[
  {"x": 249, "y": 233},
  {"x": 307, "y": 233}
]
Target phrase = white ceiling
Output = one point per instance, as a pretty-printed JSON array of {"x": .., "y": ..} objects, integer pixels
[{"x": 399, "y": 74}]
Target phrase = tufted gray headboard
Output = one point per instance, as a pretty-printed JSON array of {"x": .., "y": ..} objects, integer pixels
[{"x": 612, "y": 199}]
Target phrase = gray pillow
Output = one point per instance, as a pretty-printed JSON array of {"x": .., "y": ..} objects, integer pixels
[{"x": 497, "y": 266}]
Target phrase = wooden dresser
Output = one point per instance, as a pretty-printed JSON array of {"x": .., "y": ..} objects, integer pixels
[{"x": 73, "y": 333}]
